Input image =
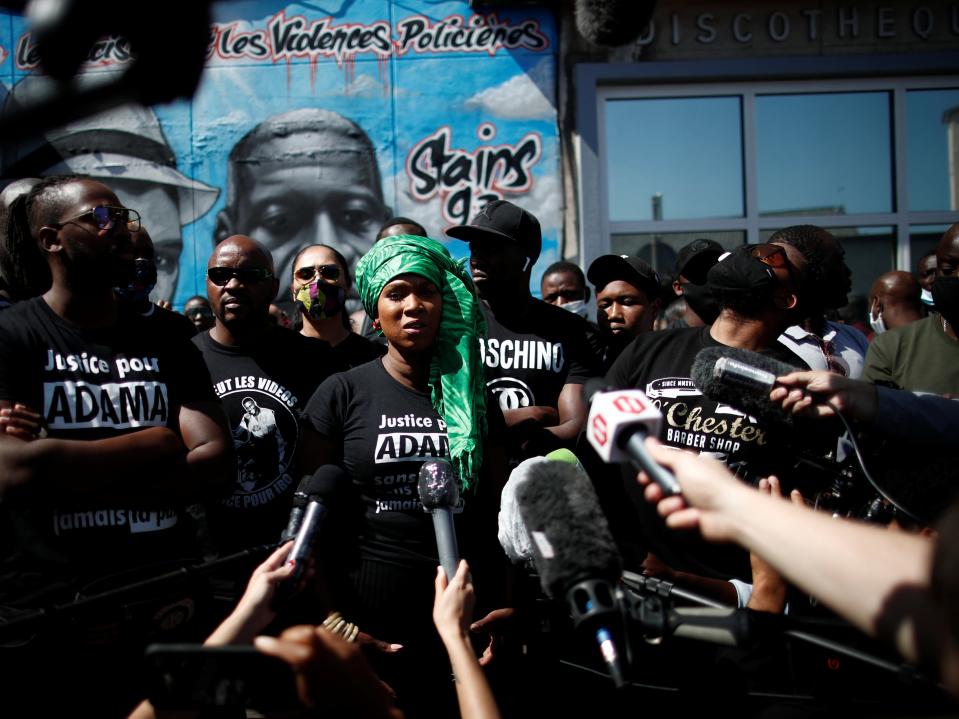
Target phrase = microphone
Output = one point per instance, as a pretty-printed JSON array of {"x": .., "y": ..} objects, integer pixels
[
  {"x": 439, "y": 493},
  {"x": 300, "y": 498},
  {"x": 742, "y": 379},
  {"x": 619, "y": 421},
  {"x": 574, "y": 553},
  {"x": 308, "y": 514},
  {"x": 512, "y": 534}
]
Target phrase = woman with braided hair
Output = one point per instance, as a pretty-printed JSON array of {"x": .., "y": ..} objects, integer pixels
[{"x": 381, "y": 421}]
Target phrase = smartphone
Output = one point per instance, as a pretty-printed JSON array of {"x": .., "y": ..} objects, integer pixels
[{"x": 192, "y": 676}]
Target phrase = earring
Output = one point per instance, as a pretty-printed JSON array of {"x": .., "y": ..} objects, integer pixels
[{"x": 376, "y": 324}]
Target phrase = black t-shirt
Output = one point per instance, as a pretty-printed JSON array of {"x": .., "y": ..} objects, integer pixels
[
  {"x": 386, "y": 431},
  {"x": 531, "y": 355},
  {"x": 91, "y": 384},
  {"x": 659, "y": 364},
  {"x": 264, "y": 390}
]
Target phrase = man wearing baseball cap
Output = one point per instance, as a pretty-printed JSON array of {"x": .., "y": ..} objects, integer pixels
[
  {"x": 692, "y": 264},
  {"x": 536, "y": 355},
  {"x": 756, "y": 290},
  {"x": 627, "y": 300}
]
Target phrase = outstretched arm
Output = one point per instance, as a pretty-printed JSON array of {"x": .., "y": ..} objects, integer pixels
[
  {"x": 452, "y": 608},
  {"x": 864, "y": 573}
]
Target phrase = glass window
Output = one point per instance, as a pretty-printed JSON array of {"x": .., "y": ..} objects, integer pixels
[
  {"x": 682, "y": 156},
  {"x": 870, "y": 252},
  {"x": 825, "y": 153},
  {"x": 933, "y": 149},
  {"x": 660, "y": 249}
]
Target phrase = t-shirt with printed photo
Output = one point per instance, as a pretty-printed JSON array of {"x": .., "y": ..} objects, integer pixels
[
  {"x": 264, "y": 389},
  {"x": 91, "y": 384}
]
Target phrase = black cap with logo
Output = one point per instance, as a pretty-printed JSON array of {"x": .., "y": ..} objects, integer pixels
[{"x": 628, "y": 268}]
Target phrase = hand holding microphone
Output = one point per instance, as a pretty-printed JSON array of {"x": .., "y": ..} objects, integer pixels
[
  {"x": 618, "y": 422},
  {"x": 708, "y": 490}
]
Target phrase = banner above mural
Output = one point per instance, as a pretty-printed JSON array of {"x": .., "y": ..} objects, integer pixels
[{"x": 316, "y": 126}]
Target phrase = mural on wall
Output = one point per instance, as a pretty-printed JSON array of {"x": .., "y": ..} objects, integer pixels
[{"x": 315, "y": 123}]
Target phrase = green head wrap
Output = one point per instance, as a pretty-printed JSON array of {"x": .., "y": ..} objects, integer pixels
[{"x": 457, "y": 377}]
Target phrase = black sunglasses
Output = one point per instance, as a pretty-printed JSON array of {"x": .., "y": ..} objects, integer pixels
[
  {"x": 106, "y": 217},
  {"x": 220, "y": 276},
  {"x": 308, "y": 273}
]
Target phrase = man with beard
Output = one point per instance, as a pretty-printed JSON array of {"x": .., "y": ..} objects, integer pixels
[
  {"x": 924, "y": 355},
  {"x": 825, "y": 282},
  {"x": 264, "y": 375},
  {"x": 126, "y": 431}
]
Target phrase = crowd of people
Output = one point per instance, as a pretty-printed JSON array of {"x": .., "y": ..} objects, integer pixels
[{"x": 150, "y": 460}]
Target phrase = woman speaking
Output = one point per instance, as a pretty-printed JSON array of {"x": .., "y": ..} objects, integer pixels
[{"x": 425, "y": 399}]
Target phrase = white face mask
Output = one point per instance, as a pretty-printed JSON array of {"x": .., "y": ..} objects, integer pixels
[
  {"x": 577, "y": 307},
  {"x": 877, "y": 323},
  {"x": 926, "y": 297}
]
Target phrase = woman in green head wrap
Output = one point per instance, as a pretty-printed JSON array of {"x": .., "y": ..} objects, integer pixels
[
  {"x": 381, "y": 421},
  {"x": 423, "y": 302}
]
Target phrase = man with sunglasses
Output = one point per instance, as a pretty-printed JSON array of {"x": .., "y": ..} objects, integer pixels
[
  {"x": 255, "y": 363},
  {"x": 126, "y": 432},
  {"x": 756, "y": 295}
]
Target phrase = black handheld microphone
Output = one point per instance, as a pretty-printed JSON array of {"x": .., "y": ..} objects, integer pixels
[
  {"x": 317, "y": 492},
  {"x": 574, "y": 553},
  {"x": 300, "y": 499},
  {"x": 439, "y": 493},
  {"x": 742, "y": 379},
  {"x": 618, "y": 424}
]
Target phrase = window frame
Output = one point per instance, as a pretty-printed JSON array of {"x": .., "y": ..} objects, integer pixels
[{"x": 747, "y": 78}]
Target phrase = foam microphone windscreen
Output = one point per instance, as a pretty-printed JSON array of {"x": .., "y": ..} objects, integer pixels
[
  {"x": 754, "y": 401},
  {"x": 325, "y": 483},
  {"x": 612, "y": 22},
  {"x": 570, "y": 536}
]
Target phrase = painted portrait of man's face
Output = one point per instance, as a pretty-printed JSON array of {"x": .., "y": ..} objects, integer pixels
[
  {"x": 126, "y": 149},
  {"x": 302, "y": 178}
]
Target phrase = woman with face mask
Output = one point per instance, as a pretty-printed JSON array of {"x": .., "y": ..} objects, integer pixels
[{"x": 320, "y": 283}]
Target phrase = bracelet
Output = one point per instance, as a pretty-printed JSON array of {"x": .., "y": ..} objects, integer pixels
[{"x": 336, "y": 624}]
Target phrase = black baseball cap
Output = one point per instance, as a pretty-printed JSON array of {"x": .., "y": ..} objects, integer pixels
[
  {"x": 628, "y": 268},
  {"x": 738, "y": 271},
  {"x": 704, "y": 252},
  {"x": 502, "y": 219}
]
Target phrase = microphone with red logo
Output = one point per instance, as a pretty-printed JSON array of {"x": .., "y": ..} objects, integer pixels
[{"x": 619, "y": 422}]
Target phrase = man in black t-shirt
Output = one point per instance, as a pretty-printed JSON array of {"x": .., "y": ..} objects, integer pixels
[
  {"x": 756, "y": 291},
  {"x": 264, "y": 375},
  {"x": 131, "y": 432},
  {"x": 536, "y": 355}
]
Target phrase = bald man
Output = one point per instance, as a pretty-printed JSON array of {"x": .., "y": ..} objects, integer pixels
[
  {"x": 923, "y": 356},
  {"x": 253, "y": 362},
  {"x": 894, "y": 301}
]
